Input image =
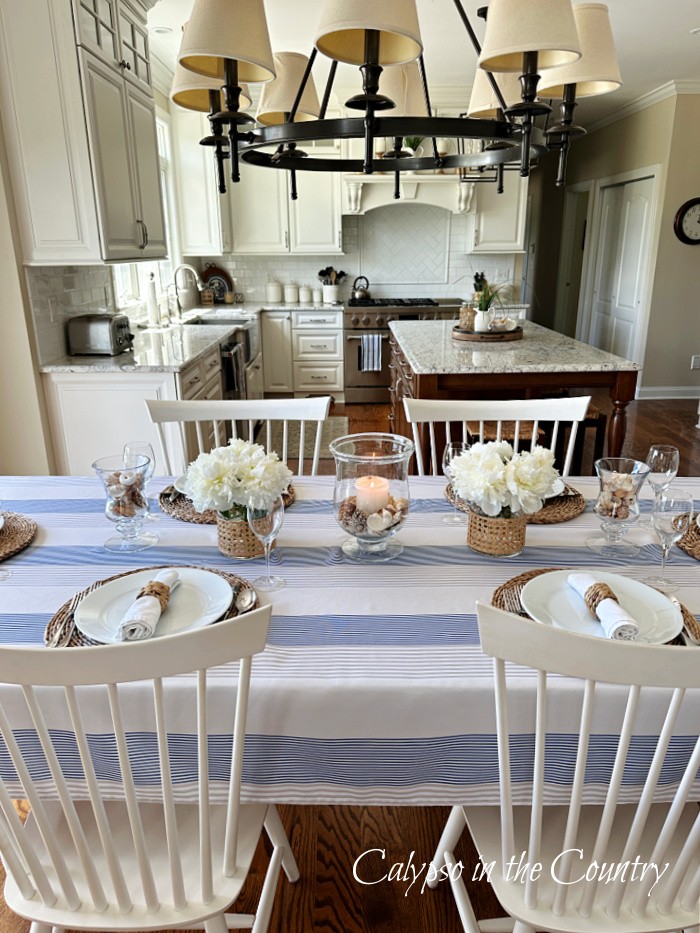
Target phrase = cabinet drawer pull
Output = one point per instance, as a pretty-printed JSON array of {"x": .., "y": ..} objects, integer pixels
[
  {"x": 319, "y": 378},
  {"x": 213, "y": 364},
  {"x": 193, "y": 379},
  {"x": 319, "y": 346}
]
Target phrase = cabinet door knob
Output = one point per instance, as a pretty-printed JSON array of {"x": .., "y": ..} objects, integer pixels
[{"x": 125, "y": 64}]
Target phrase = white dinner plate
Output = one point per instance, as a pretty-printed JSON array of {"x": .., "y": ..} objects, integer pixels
[
  {"x": 549, "y": 599},
  {"x": 201, "y": 597},
  {"x": 2, "y": 521}
]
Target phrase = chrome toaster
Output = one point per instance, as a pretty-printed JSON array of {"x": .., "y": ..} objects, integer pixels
[{"x": 103, "y": 334}]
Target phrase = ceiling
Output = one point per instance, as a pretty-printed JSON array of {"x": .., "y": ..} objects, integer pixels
[{"x": 653, "y": 39}]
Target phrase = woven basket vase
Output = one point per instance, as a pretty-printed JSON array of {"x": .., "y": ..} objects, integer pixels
[
  {"x": 499, "y": 537},
  {"x": 236, "y": 540}
]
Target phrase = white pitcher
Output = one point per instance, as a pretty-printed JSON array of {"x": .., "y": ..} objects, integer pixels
[{"x": 482, "y": 321}]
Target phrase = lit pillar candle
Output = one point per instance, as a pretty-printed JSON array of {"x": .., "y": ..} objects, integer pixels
[{"x": 372, "y": 493}]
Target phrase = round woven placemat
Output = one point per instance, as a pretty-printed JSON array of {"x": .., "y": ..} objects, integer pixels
[
  {"x": 16, "y": 534},
  {"x": 62, "y": 618},
  {"x": 507, "y": 597},
  {"x": 690, "y": 542},
  {"x": 177, "y": 505},
  {"x": 555, "y": 510}
]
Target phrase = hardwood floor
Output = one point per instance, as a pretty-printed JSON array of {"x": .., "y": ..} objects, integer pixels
[{"x": 328, "y": 840}]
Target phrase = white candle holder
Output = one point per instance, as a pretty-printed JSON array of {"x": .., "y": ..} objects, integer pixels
[{"x": 371, "y": 498}]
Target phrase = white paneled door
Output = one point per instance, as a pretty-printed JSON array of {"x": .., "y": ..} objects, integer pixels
[{"x": 619, "y": 281}]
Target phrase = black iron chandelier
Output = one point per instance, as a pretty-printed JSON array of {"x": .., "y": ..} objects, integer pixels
[{"x": 226, "y": 44}]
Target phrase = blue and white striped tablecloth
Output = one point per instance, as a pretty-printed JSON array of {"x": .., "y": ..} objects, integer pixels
[{"x": 373, "y": 688}]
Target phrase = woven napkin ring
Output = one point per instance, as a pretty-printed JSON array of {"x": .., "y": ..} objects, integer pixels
[
  {"x": 161, "y": 591},
  {"x": 595, "y": 594}
]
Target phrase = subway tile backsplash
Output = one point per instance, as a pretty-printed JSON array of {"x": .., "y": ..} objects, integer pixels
[
  {"x": 405, "y": 250},
  {"x": 59, "y": 292}
]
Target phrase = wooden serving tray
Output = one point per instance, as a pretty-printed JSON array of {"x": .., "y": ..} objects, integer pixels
[{"x": 492, "y": 336}]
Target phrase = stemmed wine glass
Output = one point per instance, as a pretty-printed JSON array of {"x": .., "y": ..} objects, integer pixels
[
  {"x": 670, "y": 518},
  {"x": 265, "y": 525},
  {"x": 143, "y": 449},
  {"x": 663, "y": 461},
  {"x": 452, "y": 450}
]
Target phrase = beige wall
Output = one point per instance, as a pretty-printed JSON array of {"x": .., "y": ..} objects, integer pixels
[
  {"x": 23, "y": 444},
  {"x": 674, "y": 323},
  {"x": 664, "y": 134}
]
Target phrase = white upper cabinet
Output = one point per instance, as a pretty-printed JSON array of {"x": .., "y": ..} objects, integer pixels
[
  {"x": 204, "y": 213},
  {"x": 80, "y": 135},
  {"x": 266, "y": 220},
  {"x": 499, "y": 225}
]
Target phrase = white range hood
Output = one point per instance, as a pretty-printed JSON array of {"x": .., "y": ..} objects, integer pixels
[{"x": 362, "y": 193}]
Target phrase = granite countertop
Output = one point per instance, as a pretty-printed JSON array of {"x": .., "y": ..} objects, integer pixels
[
  {"x": 168, "y": 350},
  {"x": 430, "y": 350}
]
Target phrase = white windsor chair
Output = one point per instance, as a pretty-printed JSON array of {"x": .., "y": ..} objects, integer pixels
[
  {"x": 562, "y": 900},
  {"x": 104, "y": 864},
  {"x": 213, "y": 415},
  {"x": 516, "y": 420}
]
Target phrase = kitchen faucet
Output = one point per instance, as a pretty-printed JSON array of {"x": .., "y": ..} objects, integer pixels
[{"x": 187, "y": 294}]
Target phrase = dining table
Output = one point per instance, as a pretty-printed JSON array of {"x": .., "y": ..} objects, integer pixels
[{"x": 372, "y": 688}]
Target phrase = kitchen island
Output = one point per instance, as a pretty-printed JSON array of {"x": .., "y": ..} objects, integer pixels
[{"x": 428, "y": 363}]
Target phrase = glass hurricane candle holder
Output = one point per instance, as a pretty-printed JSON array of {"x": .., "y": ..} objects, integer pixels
[
  {"x": 620, "y": 479},
  {"x": 371, "y": 498}
]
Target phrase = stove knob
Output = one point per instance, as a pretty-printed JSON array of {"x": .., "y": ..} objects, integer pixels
[
  {"x": 354, "y": 320},
  {"x": 366, "y": 320},
  {"x": 379, "y": 322}
]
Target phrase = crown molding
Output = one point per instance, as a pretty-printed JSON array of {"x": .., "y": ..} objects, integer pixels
[{"x": 663, "y": 92}]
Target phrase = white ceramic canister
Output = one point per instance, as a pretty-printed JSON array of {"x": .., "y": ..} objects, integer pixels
[
  {"x": 318, "y": 296},
  {"x": 304, "y": 295},
  {"x": 273, "y": 291},
  {"x": 291, "y": 294}
]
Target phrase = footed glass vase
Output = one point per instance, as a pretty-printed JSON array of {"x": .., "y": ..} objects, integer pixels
[
  {"x": 620, "y": 479},
  {"x": 371, "y": 498}
]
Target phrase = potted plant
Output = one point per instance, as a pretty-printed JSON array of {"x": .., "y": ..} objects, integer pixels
[
  {"x": 231, "y": 479},
  {"x": 501, "y": 489}
]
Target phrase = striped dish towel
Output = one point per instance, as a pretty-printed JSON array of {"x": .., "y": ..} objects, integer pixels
[{"x": 370, "y": 353}]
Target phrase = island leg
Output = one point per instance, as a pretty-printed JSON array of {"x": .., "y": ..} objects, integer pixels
[{"x": 621, "y": 393}]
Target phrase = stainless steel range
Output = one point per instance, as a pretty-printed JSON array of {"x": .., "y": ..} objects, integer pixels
[{"x": 373, "y": 316}]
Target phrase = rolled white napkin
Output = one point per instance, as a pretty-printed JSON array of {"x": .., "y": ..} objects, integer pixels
[
  {"x": 616, "y": 622},
  {"x": 141, "y": 618}
]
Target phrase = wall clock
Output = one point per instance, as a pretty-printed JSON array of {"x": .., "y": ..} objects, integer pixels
[{"x": 686, "y": 223}]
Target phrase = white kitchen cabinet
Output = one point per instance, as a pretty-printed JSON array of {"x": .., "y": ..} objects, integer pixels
[
  {"x": 205, "y": 219},
  {"x": 93, "y": 414},
  {"x": 317, "y": 343},
  {"x": 276, "y": 331},
  {"x": 82, "y": 147},
  {"x": 115, "y": 31},
  {"x": 499, "y": 224},
  {"x": 266, "y": 221}
]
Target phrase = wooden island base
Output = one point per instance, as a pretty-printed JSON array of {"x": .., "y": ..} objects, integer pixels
[{"x": 536, "y": 383}]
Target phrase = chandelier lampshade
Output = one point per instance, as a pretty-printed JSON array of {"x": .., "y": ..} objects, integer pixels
[
  {"x": 514, "y": 28},
  {"x": 597, "y": 71},
  {"x": 235, "y": 30},
  {"x": 402, "y": 84},
  {"x": 278, "y": 96},
  {"x": 483, "y": 103},
  {"x": 341, "y": 31},
  {"x": 191, "y": 91}
]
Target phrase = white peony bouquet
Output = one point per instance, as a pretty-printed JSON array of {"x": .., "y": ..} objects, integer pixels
[
  {"x": 229, "y": 479},
  {"x": 498, "y": 481}
]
